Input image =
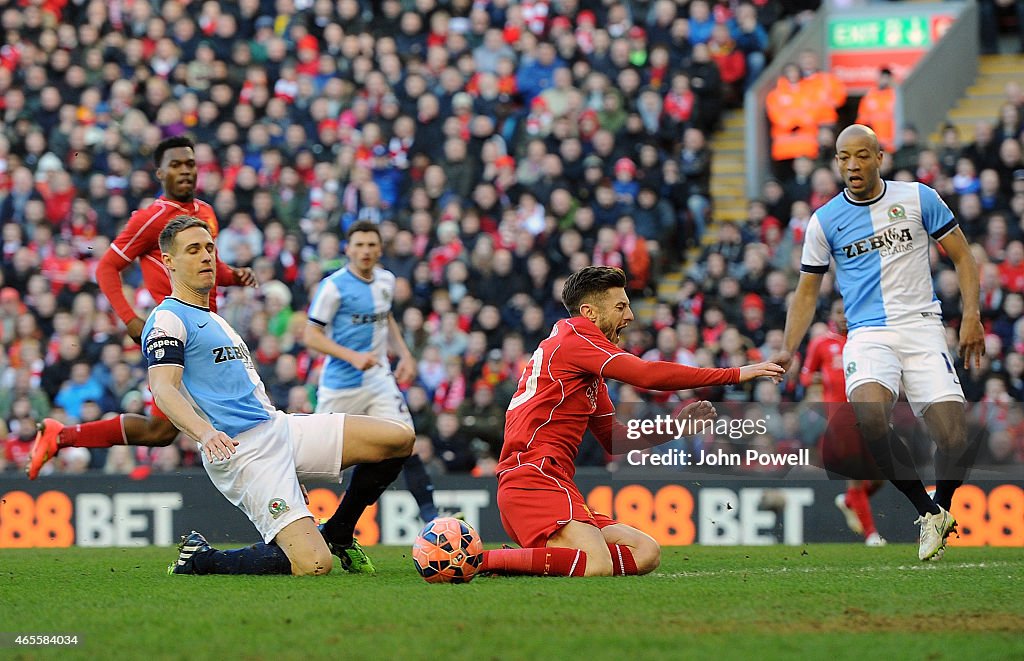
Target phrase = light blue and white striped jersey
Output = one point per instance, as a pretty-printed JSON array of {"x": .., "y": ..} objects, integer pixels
[
  {"x": 880, "y": 248},
  {"x": 357, "y": 312},
  {"x": 218, "y": 376}
]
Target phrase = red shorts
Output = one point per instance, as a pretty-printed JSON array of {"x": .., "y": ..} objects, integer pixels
[{"x": 535, "y": 501}]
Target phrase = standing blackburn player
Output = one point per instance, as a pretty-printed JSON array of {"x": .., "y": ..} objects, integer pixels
[
  {"x": 878, "y": 233},
  {"x": 355, "y": 303},
  {"x": 842, "y": 448},
  {"x": 140, "y": 240},
  {"x": 203, "y": 378},
  {"x": 561, "y": 394}
]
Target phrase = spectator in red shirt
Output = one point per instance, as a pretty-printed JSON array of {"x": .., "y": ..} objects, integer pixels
[{"x": 1011, "y": 271}]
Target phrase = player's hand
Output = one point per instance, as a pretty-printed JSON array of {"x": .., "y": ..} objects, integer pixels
[
  {"x": 305, "y": 494},
  {"x": 245, "y": 276},
  {"x": 364, "y": 361},
  {"x": 972, "y": 342},
  {"x": 770, "y": 370},
  {"x": 698, "y": 411},
  {"x": 217, "y": 445},
  {"x": 135, "y": 327},
  {"x": 783, "y": 359},
  {"x": 405, "y": 371}
]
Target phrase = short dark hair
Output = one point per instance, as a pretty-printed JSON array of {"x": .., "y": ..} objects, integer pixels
[
  {"x": 178, "y": 225},
  {"x": 590, "y": 282},
  {"x": 364, "y": 226},
  {"x": 171, "y": 143}
]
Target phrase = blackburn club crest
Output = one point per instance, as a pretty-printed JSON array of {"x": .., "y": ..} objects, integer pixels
[
  {"x": 897, "y": 212},
  {"x": 277, "y": 507}
]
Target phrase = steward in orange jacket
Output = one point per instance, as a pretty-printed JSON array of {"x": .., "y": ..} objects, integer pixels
[
  {"x": 876, "y": 110},
  {"x": 790, "y": 111}
]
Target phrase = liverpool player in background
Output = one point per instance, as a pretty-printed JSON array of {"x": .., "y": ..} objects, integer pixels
[
  {"x": 176, "y": 170},
  {"x": 561, "y": 394},
  {"x": 842, "y": 448}
]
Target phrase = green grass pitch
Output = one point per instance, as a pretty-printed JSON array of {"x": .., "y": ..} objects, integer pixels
[{"x": 817, "y": 601}]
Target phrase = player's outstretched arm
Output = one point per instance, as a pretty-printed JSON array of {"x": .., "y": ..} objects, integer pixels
[
  {"x": 972, "y": 334},
  {"x": 165, "y": 382},
  {"x": 661, "y": 375},
  {"x": 799, "y": 316},
  {"x": 758, "y": 370}
]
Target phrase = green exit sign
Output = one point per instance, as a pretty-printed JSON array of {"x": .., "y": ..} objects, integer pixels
[{"x": 897, "y": 32}]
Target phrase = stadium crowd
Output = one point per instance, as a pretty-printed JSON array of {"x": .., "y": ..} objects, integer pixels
[{"x": 500, "y": 146}]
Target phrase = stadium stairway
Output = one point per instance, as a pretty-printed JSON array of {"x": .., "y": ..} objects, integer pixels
[
  {"x": 982, "y": 100},
  {"x": 728, "y": 204}
]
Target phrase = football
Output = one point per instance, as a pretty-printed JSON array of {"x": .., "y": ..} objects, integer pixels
[{"x": 447, "y": 551}]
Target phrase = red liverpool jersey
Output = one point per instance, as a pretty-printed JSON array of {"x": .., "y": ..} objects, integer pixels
[
  {"x": 140, "y": 239},
  {"x": 562, "y": 392},
  {"x": 825, "y": 354}
]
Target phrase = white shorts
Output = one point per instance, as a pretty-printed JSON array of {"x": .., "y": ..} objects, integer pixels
[
  {"x": 916, "y": 356},
  {"x": 380, "y": 398},
  {"x": 262, "y": 477}
]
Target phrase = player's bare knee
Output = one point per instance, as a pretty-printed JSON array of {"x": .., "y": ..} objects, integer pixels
[
  {"x": 401, "y": 441},
  {"x": 647, "y": 557},
  {"x": 316, "y": 562}
]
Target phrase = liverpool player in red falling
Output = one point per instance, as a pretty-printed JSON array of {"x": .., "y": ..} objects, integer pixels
[
  {"x": 561, "y": 394},
  {"x": 176, "y": 169},
  {"x": 842, "y": 448}
]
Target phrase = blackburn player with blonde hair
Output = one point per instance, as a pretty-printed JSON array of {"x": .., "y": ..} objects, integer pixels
[
  {"x": 878, "y": 234},
  {"x": 203, "y": 378}
]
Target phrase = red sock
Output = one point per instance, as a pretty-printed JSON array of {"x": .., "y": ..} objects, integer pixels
[
  {"x": 623, "y": 563},
  {"x": 99, "y": 434},
  {"x": 857, "y": 500},
  {"x": 548, "y": 561}
]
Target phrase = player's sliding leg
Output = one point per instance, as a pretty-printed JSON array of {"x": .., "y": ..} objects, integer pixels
[
  {"x": 569, "y": 552},
  {"x": 419, "y": 485},
  {"x": 872, "y": 403},
  {"x": 378, "y": 449},
  {"x": 196, "y": 556},
  {"x": 589, "y": 539},
  {"x": 548, "y": 561},
  {"x": 298, "y": 549},
  {"x": 125, "y": 429},
  {"x": 305, "y": 547}
]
